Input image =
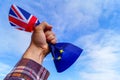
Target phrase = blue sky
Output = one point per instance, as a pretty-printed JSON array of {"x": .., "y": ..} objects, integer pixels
[{"x": 90, "y": 24}]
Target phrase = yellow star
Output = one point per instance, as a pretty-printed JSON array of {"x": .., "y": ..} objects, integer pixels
[
  {"x": 61, "y": 51},
  {"x": 59, "y": 58}
]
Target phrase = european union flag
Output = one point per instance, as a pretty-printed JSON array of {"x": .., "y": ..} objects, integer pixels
[{"x": 64, "y": 55}]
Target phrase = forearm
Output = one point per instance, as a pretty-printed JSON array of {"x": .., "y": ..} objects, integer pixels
[
  {"x": 30, "y": 66},
  {"x": 34, "y": 53}
]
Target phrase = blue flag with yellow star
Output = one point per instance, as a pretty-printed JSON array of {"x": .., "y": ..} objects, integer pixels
[{"x": 64, "y": 55}]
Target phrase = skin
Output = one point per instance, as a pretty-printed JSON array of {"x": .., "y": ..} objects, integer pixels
[{"x": 40, "y": 38}]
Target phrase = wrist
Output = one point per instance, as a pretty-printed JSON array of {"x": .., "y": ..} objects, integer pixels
[{"x": 34, "y": 53}]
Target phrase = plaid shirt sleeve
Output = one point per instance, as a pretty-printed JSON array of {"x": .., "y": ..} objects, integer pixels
[{"x": 27, "y": 69}]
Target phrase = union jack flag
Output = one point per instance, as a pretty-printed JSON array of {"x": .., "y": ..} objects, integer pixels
[{"x": 21, "y": 19}]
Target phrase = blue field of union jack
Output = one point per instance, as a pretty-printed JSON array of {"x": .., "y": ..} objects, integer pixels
[{"x": 21, "y": 19}]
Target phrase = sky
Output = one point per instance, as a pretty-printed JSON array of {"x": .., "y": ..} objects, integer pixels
[{"x": 92, "y": 25}]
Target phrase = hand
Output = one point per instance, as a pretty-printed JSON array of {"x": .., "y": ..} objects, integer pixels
[
  {"x": 43, "y": 35},
  {"x": 39, "y": 48}
]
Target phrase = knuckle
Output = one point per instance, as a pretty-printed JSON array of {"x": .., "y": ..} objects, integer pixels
[
  {"x": 44, "y": 22},
  {"x": 38, "y": 28}
]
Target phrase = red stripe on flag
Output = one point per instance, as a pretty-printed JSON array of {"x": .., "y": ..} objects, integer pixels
[
  {"x": 32, "y": 22},
  {"x": 18, "y": 22},
  {"x": 27, "y": 26},
  {"x": 16, "y": 12}
]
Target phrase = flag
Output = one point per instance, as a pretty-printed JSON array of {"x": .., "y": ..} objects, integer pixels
[
  {"x": 21, "y": 19},
  {"x": 64, "y": 54}
]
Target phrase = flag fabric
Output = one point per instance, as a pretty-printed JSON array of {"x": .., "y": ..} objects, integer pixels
[
  {"x": 64, "y": 54},
  {"x": 21, "y": 19}
]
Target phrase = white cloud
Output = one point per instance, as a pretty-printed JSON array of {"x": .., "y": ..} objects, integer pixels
[
  {"x": 111, "y": 75},
  {"x": 102, "y": 56}
]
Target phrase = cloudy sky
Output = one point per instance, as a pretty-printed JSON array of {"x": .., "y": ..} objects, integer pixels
[{"x": 90, "y": 24}]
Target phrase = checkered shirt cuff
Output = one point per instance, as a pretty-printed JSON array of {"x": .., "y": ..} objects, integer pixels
[{"x": 27, "y": 69}]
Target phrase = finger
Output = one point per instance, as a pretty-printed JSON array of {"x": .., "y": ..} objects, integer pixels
[
  {"x": 43, "y": 26},
  {"x": 53, "y": 41},
  {"x": 50, "y": 37},
  {"x": 47, "y": 33},
  {"x": 46, "y": 26}
]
